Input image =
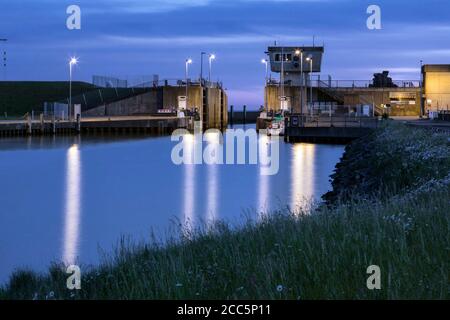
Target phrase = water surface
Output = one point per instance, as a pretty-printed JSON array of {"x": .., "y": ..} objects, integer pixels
[{"x": 64, "y": 198}]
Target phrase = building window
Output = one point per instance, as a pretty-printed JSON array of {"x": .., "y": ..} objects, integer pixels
[{"x": 287, "y": 57}]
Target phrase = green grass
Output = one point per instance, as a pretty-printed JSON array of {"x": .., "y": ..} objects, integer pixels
[
  {"x": 287, "y": 255},
  {"x": 20, "y": 97}
]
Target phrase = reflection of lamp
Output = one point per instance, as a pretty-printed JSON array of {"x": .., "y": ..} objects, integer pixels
[
  {"x": 264, "y": 183},
  {"x": 188, "y": 192},
  {"x": 302, "y": 174},
  {"x": 215, "y": 156},
  {"x": 72, "y": 206}
]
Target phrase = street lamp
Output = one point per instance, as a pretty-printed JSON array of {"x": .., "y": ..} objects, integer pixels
[
  {"x": 211, "y": 58},
  {"x": 266, "y": 63},
  {"x": 188, "y": 62},
  {"x": 73, "y": 61},
  {"x": 201, "y": 67},
  {"x": 299, "y": 52},
  {"x": 310, "y": 59}
]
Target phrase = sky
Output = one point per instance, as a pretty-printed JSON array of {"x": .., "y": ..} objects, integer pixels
[{"x": 139, "y": 38}]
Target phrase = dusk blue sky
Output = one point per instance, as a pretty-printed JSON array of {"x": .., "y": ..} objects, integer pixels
[{"x": 129, "y": 38}]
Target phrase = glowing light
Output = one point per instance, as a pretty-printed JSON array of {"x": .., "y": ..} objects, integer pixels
[
  {"x": 213, "y": 139},
  {"x": 264, "y": 180},
  {"x": 302, "y": 175},
  {"x": 188, "y": 192},
  {"x": 73, "y": 61},
  {"x": 72, "y": 205}
]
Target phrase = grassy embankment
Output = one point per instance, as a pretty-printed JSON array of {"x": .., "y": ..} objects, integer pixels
[
  {"x": 390, "y": 208},
  {"x": 20, "y": 97}
]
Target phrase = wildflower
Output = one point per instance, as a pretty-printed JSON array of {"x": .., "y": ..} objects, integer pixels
[
  {"x": 178, "y": 285},
  {"x": 50, "y": 295},
  {"x": 280, "y": 288}
]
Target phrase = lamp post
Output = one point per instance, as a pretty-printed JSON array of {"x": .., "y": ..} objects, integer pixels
[
  {"x": 201, "y": 66},
  {"x": 188, "y": 62},
  {"x": 72, "y": 62},
  {"x": 4, "y": 60},
  {"x": 310, "y": 59},
  {"x": 266, "y": 63},
  {"x": 211, "y": 58},
  {"x": 300, "y": 53}
]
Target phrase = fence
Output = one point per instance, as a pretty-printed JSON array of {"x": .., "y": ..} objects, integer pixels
[{"x": 303, "y": 121}]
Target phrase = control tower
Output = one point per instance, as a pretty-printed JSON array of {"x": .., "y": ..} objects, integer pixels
[{"x": 294, "y": 66}]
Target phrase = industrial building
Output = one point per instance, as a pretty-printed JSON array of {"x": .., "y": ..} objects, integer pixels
[
  {"x": 300, "y": 88},
  {"x": 436, "y": 87}
]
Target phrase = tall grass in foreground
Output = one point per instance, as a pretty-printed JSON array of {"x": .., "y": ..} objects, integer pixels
[
  {"x": 324, "y": 255},
  {"x": 390, "y": 207}
]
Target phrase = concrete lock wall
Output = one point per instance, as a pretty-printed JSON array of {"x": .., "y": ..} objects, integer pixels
[
  {"x": 140, "y": 104},
  {"x": 272, "y": 97},
  {"x": 171, "y": 94},
  {"x": 214, "y": 116}
]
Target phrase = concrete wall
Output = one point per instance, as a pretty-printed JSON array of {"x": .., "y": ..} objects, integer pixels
[
  {"x": 216, "y": 112},
  {"x": 272, "y": 97}
]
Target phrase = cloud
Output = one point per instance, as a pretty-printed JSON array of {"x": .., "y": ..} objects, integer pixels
[{"x": 203, "y": 40}]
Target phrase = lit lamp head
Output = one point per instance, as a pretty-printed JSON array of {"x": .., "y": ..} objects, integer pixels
[
  {"x": 297, "y": 52},
  {"x": 212, "y": 56},
  {"x": 188, "y": 61},
  {"x": 73, "y": 61},
  {"x": 264, "y": 61}
]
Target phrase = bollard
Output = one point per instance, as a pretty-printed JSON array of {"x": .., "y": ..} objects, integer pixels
[
  {"x": 29, "y": 122},
  {"x": 231, "y": 114},
  {"x": 42, "y": 123},
  {"x": 78, "y": 125},
  {"x": 245, "y": 114},
  {"x": 53, "y": 125}
]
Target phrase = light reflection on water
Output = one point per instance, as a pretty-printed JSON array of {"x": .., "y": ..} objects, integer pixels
[
  {"x": 63, "y": 198},
  {"x": 73, "y": 206},
  {"x": 303, "y": 175}
]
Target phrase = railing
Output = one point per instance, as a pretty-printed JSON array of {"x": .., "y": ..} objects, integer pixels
[
  {"x": 331, "y": 84},
  {"x": 303, "y": 121},
  {"x": 149, "y": 82}
]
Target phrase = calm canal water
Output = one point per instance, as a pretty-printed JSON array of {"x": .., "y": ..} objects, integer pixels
[{"x": 68, "y": 199}]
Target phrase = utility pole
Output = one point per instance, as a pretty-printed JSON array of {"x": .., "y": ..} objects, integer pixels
[{"x": 4, "y": 60}]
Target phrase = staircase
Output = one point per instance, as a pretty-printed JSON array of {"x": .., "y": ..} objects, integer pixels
[{"x": 325, "y": 88}]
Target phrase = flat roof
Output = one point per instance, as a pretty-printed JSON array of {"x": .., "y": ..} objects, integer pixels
[
  {"x": 436, "y": 68},
  {"x": 290, "y": 48}
]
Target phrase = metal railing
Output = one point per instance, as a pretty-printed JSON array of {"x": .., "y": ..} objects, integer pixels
[
  {"x": 305, "y": 121},
  {"x": 332, "y": 84}
]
